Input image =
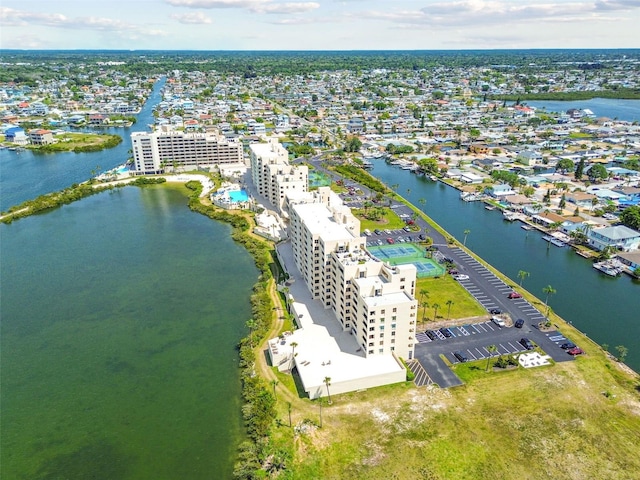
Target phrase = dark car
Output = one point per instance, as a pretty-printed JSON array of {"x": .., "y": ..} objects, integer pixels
[
  {"x": 432, "y": 334},
  {"x": 460, "y": 356},
  {"x": 446, "y": 332},
  {"x": 495, "y": 311},
  {"x": 421, "y": 237},
  {"x": 514, "y": 295},
  {"x": 568, "y": 345},
  {"x": 526, "y": 343},
  {"x": 519, "y": 323},
  {"x": 377, "y": 231},
  {"x": 575, "y": 351}
]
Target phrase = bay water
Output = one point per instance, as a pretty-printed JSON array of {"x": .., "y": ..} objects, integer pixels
[{"x": 120, "y": 319}]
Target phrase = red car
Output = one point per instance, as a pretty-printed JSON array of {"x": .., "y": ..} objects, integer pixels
[
  {"x": 390, "y": 240},
  {"x": 514, "y": 295},
  {"x": 575, "y": 351}
]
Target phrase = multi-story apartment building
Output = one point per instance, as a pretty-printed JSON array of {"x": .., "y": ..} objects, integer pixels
[
  {"x": 371, "y": 300},
  {"x": 41, "y": 137},
  {"x": 271, "y": 173},
  {"x": 152, "y": 152}
]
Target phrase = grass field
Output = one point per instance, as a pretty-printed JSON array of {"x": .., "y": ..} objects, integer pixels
[
  {"x": 440, "y": 290},
  {"x": 573, "y": 421},
  {"x": 389, "y": 220}
]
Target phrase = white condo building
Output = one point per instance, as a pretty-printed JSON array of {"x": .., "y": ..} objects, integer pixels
[
  {"x": 153, "y": 152},
  {"x": 371, "y": 300},
  {"x": 271, "y": 173}
]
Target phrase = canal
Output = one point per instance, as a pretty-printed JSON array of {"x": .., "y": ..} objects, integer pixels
[{"x": 604, "y": 308}]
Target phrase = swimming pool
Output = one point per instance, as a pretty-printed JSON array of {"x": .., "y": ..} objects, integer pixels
[{"x": 238, "y": 196}]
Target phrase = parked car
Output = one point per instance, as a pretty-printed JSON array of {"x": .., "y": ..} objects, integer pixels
[
  {"x": 568, "y": 345},
  {"x": 446, "y": 332},
  {"x": 432, "y": 334},
  {"x": 495, "y": 311},
  {"x": 519, "y": 323},
  {"x": 526, "y": 343},
  {"x": 453, "y": 271},
  {"x": 407, "y": 228},
  {"x": 377, "y": 231},
  {"x": 498, "y": 321},
  {"x": 422, "y": 237},
  {"x": 575, "y": 351},
  {"x": 367, "y": 232},
  {"x": 390, "y": 240},
  {"x": 387, "y": 231},
  {"x": 513, "y": 295},
  {"x": 460, "y": 356},
  {"x": 461, "y": 277}
]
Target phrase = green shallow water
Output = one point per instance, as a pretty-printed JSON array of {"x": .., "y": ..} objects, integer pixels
[{"x": 119, "y": 319}]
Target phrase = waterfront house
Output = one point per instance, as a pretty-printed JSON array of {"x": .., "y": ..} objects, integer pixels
[
  {"x": 618, "y": 236},
  {"x": 500, "y": 190},
  {"x": 630, "y": 259},
  {"x": 16, "y": 135},
  {"x": 41, "y": 137}
]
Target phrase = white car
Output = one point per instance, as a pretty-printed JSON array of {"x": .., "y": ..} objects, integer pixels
[
  {"x": 498, "y": 321},
  {"x": 461, "y": 277}
]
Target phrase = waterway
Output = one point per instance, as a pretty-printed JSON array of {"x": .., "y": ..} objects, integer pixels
[
  {"x": 612, "y": 108},
  {"x": 604, "y": 308},
  {"x": 120, "y": 317},
  {"x": 25, "y": 174}
]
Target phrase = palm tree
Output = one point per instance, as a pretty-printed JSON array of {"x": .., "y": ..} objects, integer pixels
[
  {"x": 327, "y": 382},
  {"x": 435, "y": 310},
  {"x": 492, "y": 349},
  {"x": 274, "y": 384},
  {"x": 293, "y": 354},
  {"x": 424, "y": 293},
  {"x": 289, "y": 410},
  {"x": 252, "y": 324},
  {"x": 466, "y": 232},
  {"x": 424, "y": 306},
  {"x": 548, "y": 290},
  {"x": 449, "y": 303},
  {"x": 522, "y": 275}
]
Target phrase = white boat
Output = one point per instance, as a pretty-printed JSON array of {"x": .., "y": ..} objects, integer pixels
[
  {"x": 607, "y": 268},
  {"x": 524, "y": 226},
  {"x": 489, "y": 207}
]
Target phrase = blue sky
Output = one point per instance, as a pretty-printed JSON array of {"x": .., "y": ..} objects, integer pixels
[{"x": 318, "y": 24}]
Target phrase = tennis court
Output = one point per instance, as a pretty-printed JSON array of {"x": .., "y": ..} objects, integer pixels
[{"x": 405, "y": 254}]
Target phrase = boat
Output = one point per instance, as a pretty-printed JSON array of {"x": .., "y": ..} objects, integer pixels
[
  {"x": 553, "y": 240},
  {"x": 607, "y": 268},
  {"x": 526, "y": 226},
  {"x": 509, "y": 216},
  {"x": 489, "y": 207},
  {"x": 433, "y": 178}
]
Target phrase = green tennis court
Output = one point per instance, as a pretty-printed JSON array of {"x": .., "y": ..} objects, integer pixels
[{"x": 405, "y": 253}]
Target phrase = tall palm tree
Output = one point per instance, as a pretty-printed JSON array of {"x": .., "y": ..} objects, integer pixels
[
  {"x": 466, "y": 232},
  {"x": 327, "y": 382},
  {"x": 274, "y": 384},
  {"x": 293, "y": 354},
  {"x": 424, "y": 293},
  {"x": 435, "y": 311},
  {"x": 548, "y": 290},
  {"x": 424, "y": 306},
  {"x": 522, "y": 275},
  {"x": 449, "y": 303},
  {"x": 492, "y": 349}
]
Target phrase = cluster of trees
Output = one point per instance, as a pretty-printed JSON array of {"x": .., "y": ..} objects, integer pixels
[
  {"x": 361, "y": 177},
  {"x": 506, "y": 176},
  {"x": 108, "y": 141},
  {"x": 630, "y": 217},
  {"x": 352, "y": 144},
  {"x": 398, "y": 149},
  {"x": 300, "y": 149}
]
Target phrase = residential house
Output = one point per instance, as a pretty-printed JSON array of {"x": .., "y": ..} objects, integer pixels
[
  {"x": 529, "y": 158},
  {"x": 618, "y": 237},
  {"x": 41, "y": 137}
]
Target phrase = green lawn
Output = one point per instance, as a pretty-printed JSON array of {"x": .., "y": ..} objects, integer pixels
[
  {"x": 440, "y": 291},
  {"x": 389, "y": 220}
]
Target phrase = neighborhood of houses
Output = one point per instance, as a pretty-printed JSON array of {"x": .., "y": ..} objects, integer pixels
[{"x": 569, "y": 172}]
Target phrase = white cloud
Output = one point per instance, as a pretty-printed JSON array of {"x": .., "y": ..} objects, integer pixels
[
  {"x": 256, "y": 6},
  {"x": 12, "y": 17},
  {"x": 197, "y": 18},
  {"x": 287, "y": 8},
  {"x": 500, "y": 12}
]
